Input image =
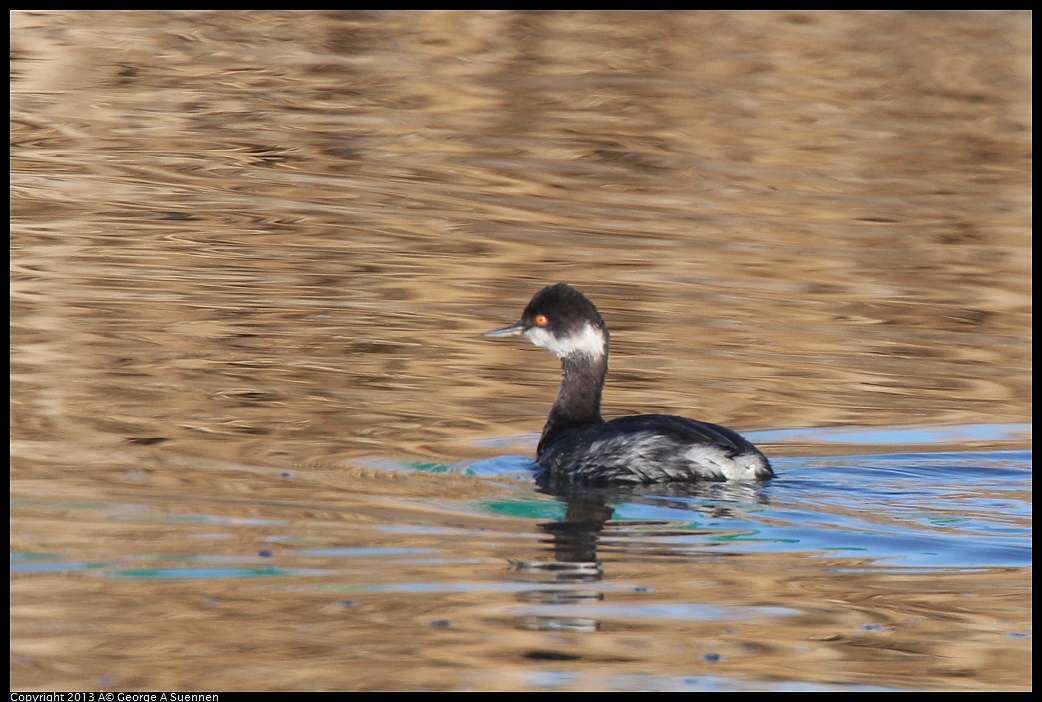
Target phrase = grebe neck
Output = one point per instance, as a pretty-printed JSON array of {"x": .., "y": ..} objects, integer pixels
[{"x": 579, "y": 399}]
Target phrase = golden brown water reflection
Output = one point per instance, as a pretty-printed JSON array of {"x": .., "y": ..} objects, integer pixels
[{"x": 249, "y": 242}]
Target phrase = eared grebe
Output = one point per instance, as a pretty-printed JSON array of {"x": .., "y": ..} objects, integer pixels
[{"x": 578, "y": 445}]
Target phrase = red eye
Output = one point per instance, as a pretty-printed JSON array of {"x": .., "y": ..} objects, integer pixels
[{"x": 541, "y": 320}]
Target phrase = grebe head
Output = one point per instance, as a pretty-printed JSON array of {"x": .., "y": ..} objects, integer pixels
[{"x": 561, "y": 319}]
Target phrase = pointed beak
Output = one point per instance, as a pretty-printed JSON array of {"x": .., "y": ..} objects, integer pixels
[{"x": 512, "y": 330}]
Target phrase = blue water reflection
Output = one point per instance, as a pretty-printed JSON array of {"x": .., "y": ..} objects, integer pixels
[{"x": 920, "y": 510}]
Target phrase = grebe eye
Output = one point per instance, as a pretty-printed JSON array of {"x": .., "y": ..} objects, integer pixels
[{"x": 541, "y": 320}]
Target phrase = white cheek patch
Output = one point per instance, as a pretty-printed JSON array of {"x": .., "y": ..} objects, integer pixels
[{"x": 588, "y": 342}]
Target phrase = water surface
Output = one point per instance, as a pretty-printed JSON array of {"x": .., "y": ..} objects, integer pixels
[{"x": 258, "y": 441}]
